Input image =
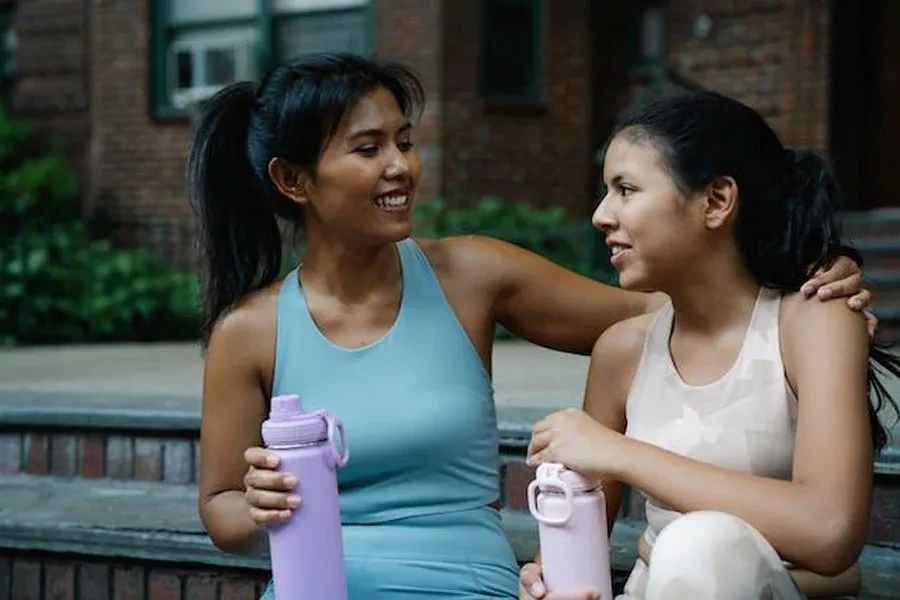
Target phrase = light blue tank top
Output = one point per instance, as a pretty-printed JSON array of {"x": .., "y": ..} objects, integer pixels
[{"x": 417, "y": 404}]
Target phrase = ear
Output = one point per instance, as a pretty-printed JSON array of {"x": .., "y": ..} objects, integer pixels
[
  {"x": 720, "y": 205},
  {"x": 289, "y": 180}
]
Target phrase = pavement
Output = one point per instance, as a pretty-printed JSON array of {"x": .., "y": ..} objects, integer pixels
[{"x": 524, "y": 374}]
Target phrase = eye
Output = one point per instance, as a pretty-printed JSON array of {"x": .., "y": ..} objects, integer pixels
[
  {"x": 405, "y": 145},
  {"x": 626, "y": 190},
  {"x": 367, "y": 150}
]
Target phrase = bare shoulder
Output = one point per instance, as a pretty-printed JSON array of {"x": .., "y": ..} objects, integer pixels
[
  {"x": 812, "y": 330},
  {"x": 465, "y": 252},
  {"x": 805, "y": 317},
  {"x": 246, "y": 333},
  {"x": 622, "y": 343}
]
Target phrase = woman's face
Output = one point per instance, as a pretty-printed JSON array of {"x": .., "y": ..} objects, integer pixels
[
  {"x": 365, "y": 182},
  {"x": 651, "y": 228}
]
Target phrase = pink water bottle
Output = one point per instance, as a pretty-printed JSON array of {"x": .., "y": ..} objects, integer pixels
[
  {"x": 307, "y": 551},
  {"x": 571, "y": 514}
]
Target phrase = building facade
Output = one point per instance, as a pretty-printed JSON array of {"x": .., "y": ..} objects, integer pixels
[{"x": 521, "y": 93}]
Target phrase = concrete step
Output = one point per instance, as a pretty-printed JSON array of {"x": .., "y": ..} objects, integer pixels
[
  {"x": 871, "y": 224},
  {"x": 66, "y": 534}
]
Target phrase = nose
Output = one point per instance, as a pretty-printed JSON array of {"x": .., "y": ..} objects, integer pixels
[
  {"x": 604, "y": 218},
  {"x": 397, "y": 164}
]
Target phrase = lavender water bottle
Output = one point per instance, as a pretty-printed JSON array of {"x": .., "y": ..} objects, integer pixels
[{"x": 307, "y": 551}]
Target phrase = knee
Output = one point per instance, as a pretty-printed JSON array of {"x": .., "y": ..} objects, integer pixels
[{"x": 702, "y": 551}]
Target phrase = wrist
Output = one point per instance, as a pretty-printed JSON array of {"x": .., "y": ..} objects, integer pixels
[{"x": 625, "y": 457}]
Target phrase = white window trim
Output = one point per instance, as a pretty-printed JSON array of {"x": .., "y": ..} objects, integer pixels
[{"x": 243, "y": 40}]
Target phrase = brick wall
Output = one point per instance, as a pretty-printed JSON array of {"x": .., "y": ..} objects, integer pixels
[
  {"x": 137, "y": 455},
  {"x": 25, "y": 576},
  {"x": 770, "y": 54},
  {"x": 536, "y": 155},
  {"x": 138, "y": 164},
  {"x": 90, "y": 79},
  {"x": 53, "y": 73}
]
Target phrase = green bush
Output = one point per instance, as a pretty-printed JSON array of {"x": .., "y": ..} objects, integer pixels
[
  {"x": 550, "y": 232},
  {"x": 57, "y": 284}
]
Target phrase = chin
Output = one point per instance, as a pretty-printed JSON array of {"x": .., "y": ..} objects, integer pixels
[{"x": 635, "y": 282}]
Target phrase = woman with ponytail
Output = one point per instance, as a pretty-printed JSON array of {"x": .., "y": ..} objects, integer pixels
[
  {"x": 392, "y": 335},
  {"x": 747, "y": 415}
]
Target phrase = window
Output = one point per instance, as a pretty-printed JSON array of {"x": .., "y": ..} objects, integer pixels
[
  {"x": 647, "y": 36},
  {"x": 202, "y": 45},
  {"x": 512, "y": 53}
]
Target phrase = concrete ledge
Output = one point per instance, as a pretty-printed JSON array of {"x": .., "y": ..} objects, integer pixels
[{"x": 159, "y": 522}]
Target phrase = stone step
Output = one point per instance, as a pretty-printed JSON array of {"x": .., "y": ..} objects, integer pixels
[
  {"x": 871, "y": 224},
  {"x": 879, "y": 253},
  {"x": 94, "y": 437},
  {"x": 93, "y": 539}
]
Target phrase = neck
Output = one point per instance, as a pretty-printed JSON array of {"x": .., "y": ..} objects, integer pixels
[
  {"x": 349, "y": 273},
  {"x": 714, "y": 295}
]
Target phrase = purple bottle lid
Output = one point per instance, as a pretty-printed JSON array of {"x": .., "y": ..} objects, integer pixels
[{"x": 288, "y": 425}]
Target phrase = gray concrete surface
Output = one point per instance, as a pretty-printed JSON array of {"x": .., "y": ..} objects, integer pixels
[{"x": 524, "y": 374}]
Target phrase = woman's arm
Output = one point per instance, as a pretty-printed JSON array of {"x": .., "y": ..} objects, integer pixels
[
  {"x": 234, "y": 405},
  {"x": 614, "y": 361},
  {"x": 819, "y": 519},
  {"x": 553, "y": 307}
]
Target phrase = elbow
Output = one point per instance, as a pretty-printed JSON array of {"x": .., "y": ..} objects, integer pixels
[
  {"x": 225, "y": 538},
  {"x": 836, "y": 547}
]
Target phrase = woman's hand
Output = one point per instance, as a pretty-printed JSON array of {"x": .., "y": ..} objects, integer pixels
[
  {"x": 573, "y": 438},
  {"x": 266, "y": 490},
  {"x": 531, "y": 587},
  {"x": 843, "y": 279}
]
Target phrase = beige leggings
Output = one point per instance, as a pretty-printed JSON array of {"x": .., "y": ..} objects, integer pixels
[{"x": 711, "y": 555}]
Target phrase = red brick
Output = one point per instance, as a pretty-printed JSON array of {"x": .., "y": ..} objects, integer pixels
[
  {"x": 26, "y": 579},
  {"x": 10, "y": 453},
  {"x": 177, "y": 462},
  {"x": 37, "y": 452},
  {"x": 93, "y": 581},
  {"x": 119, "y": 457},
  {"x": 128, "y": 583},
  {"x": 147, "y": 459},
  {"x": 91, "y": 452},
  {"x": 517, "y": 476},
  {"x": 234, "y": 589},
  {"x": 63, "y": 455},
  {"x": 162, "y": 585},
  {"x": 59, "y": 581},
  {"x": 201, "y": 587}
]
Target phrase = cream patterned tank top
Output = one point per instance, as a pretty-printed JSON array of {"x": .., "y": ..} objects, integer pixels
[{"x": 745, "y": 421}]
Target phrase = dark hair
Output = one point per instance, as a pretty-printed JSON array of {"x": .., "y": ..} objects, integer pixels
[
  {"x": 786, "y": 225},
  {"x": 292, "y": 113}
]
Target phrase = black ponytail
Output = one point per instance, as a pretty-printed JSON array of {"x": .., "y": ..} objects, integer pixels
[
  {"x": 786, "y": 225},
  {"x": 240, "y": 243},
  {"x": 292, "y": 114}
]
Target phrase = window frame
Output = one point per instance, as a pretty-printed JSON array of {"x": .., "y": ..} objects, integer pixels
[{"x": 162, "y": 109}]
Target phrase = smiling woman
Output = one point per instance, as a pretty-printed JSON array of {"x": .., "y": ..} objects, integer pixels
[{"x": 392, "y": 335}]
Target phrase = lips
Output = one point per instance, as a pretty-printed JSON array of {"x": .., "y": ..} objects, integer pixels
[{"x": 618, "y": 253}]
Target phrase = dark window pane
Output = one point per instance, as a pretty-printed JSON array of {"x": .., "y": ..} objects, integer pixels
[
  {"x": 321, "y": 32},
  {"x": 184, "y": 70},
  {"x": 510, "y": 47},
  {"x": 220, "y": 66}
]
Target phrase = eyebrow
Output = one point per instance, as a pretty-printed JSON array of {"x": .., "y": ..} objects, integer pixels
[{"x": 375, "y": 132}]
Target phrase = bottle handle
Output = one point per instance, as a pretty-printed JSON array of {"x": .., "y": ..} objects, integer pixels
[
  {"x": 532, "y": 501},
  {"x": 336, "y": 426}
]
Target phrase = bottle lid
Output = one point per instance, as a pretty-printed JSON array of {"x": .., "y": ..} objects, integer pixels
[
  {"x": 288, "y": 425},
  {"x": 549, "y": 474}
]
